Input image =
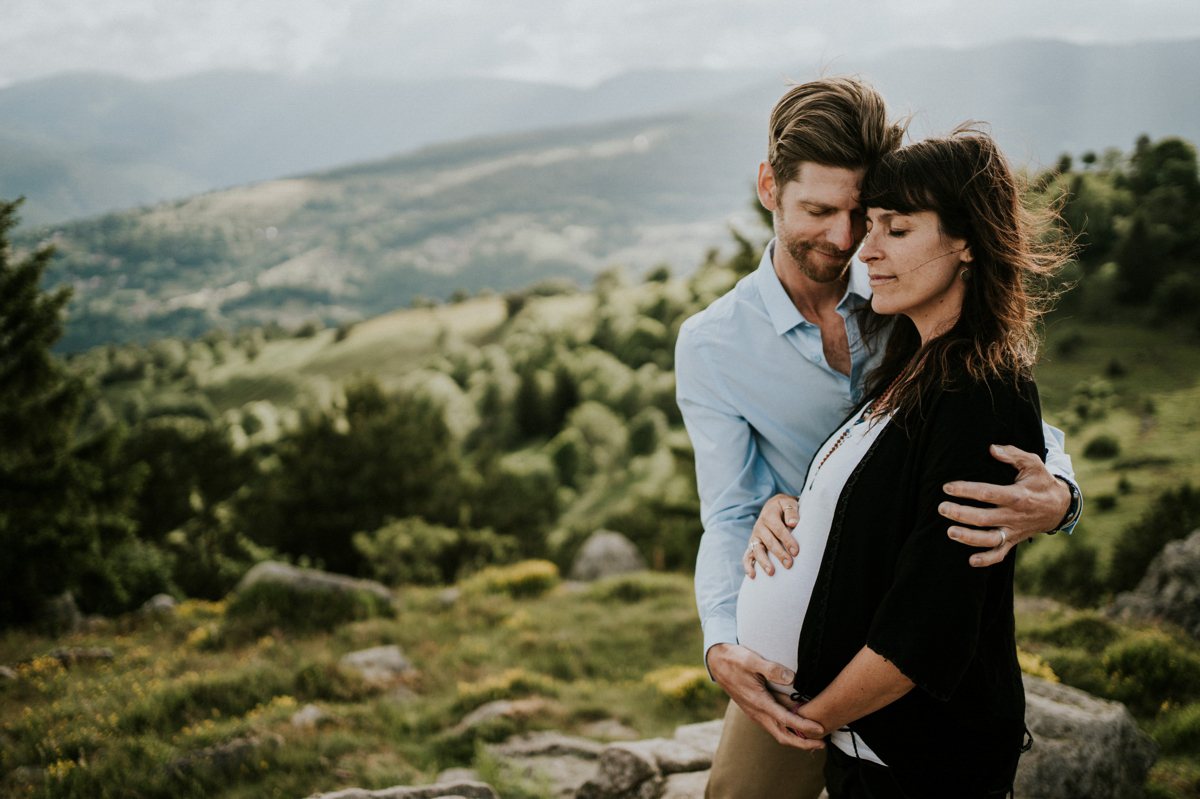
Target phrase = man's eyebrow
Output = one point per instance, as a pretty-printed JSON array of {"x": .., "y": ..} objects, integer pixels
[{"x": 819, "y": 205}]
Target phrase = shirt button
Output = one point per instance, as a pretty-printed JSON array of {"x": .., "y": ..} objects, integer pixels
[{"x": 816, "y": 359}]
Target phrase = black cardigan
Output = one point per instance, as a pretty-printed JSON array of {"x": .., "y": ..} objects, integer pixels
[{"x": 892, "y": 579}]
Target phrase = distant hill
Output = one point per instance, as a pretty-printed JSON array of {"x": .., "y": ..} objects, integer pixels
[
  {"x": 79, "y": 145},
  {"x": 500, "y": 213}
]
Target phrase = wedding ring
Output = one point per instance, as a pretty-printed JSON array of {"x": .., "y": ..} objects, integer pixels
[
  {"x": 1003, "y": 539},
  {"x": 789, "y": 507}
]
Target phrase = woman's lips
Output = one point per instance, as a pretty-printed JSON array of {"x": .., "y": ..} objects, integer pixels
[{"x": 879, "y": 280}]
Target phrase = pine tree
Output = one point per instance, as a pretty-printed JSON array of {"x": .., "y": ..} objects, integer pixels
[{"x": 61, "y": 507}]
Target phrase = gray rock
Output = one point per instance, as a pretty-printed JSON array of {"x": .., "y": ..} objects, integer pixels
[
  {"x": 78, "y": 655},
  {"x": 159, "y": 603},
  {"x": 377, "y": 664},
  {"x": 545, "y": 744},
  {"x": 704, "y": 735},
  {"x": 308, "y": 580},
  {"x": 467, "y": 789},
  {"x": 609, "y": 730},
  {"x": 61, "y": 615},
  {"x": 605, "y": 554},
  {"x": 500, "y": 708},
  {"x": 223, "y": 759},
  {"x": 447, "y": 597},
  {"x": 1170, "y": 590},
  {"x": 457, "y": 775},
  {"x": 7, "y": 674},
  {"x": 308, "y": 716},
  {"x": 626, "y": 770},
  {"x": 672, "y": 756},
  {"x": 689, "y": 785},
  {"x": 1084, "y": 747}
]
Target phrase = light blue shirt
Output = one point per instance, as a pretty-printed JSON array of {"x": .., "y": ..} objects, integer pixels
[{"x": 758, "y": 398}]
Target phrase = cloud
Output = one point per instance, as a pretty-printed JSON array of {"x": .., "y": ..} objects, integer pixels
[{"x": 567, "y": 41}]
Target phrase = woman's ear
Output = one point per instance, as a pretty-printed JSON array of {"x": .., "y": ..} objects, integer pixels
[{"x": 965, "y": 256}]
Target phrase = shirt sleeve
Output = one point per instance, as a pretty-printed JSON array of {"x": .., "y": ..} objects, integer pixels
[
  {"x": 931, "y": 617},
  {"x": 1059, "y": 463},
  {"x": 732, "y": 479}
]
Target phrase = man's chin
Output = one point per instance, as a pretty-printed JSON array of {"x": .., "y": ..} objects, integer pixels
[{"x": 824, "y": 272}]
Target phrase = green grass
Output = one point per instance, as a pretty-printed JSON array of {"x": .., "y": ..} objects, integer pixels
[{"x": 111, "y": 730}]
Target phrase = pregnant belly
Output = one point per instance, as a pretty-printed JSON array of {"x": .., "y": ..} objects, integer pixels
[{"x": 770, "y": 612}]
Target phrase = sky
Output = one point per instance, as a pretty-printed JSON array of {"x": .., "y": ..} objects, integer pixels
[{"x": 572, "y": 42}]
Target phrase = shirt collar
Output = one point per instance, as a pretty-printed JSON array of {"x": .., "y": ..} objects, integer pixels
[{"x": 780, "y": 309}]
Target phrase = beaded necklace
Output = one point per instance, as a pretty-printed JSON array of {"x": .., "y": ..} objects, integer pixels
[{"x": 867, "y": 411}]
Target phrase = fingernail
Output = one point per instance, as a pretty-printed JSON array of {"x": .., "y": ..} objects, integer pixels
[
  {"x": 976, "y": 561},
  {"x": 787, "y": 563},
  {"x": 795, "y": 550},
  {"x": 788, "y": 676},
  {"x": 997, "y": 448},
  {"x": 942, "y": 508},
  {"x": 949, "y": 489},
  {"x": 793, "y": 522},
  {"x": 955, "y": 534}
]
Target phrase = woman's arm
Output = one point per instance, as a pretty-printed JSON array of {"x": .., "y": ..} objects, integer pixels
[{"x": 868, "y": 683}]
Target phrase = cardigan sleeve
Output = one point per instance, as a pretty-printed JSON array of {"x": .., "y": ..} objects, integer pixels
[{"x": 930, "y": 619}]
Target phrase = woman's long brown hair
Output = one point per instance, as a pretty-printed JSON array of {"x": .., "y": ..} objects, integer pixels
[{"x": 967, "y": 182}]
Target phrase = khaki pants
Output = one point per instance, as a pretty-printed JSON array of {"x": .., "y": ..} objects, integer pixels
[{"x": 749, "y": 764}]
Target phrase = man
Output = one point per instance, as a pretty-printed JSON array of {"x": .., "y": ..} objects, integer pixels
[{"x": 765, "y": 373}]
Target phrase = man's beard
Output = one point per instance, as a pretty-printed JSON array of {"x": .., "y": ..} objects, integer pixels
[{"x": 817, "y": 270}]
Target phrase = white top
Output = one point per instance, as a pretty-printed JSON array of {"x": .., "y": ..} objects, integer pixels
[{"x": 771, "y": 609}]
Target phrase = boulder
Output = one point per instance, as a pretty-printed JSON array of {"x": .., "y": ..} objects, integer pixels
[
  {"x": 605, "y": 554},
  {"x": 609, "y": 730},
  {"x": 551, "y": 758},
  {"x": 7, "y": 674},
  {"x": 61, "y": 615},
  {"x": 1170, "y": 590},
  {"x": 308, "y": 716},
  {"x": 627, "y": 771},
  {"x": 308, "y": 580},
  {"x": 689, "y": 785},
  {"x": 704, "y": 735},
  {"x": 377, "y": 664},
  {"x": 223, "y": 759},
  {"x": 466, "y": 789},
  {"x": 1083, "y": 747},
  {"x": 501, "y": 708},
  {"x": 78, "y": 655},
  {"x": 159, "y": 603}
]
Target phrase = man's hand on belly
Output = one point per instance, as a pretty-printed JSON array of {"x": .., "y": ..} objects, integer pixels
[{"x": 744, "y": 676}]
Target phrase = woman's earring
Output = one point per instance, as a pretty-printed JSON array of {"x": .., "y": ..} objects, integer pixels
[{"x": 965, "y": 275}]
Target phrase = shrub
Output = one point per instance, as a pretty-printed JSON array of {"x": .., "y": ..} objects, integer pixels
[
  {"x": 265, "y": 606},
  {"x": 1088, "y": 631},
  {"x": 509, "y": 684},
  {"x": 638, "y": 586},
  {"x": 1033, "y": 665},
  {"x": 529, "y": 578},
  {"x": 1104, "y": 502},
  {"x": 1177, "y": 730},
  {"x": 1102, "y": 446},
  {"x": 412, "y": 550},
  {"x": 1149, "y": 668},
  {"x": 687, "y": 686},
  {"x": 1072, "y": 575},
  {"x": 1173, "y": 515}
]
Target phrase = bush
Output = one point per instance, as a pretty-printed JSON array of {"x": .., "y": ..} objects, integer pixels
[
  {"x": 686, "y": 686},
  {"x": 413, "y": 551},
  {"x": 1102, "y": 446},
  {"x": 1177, "y": 731},
  {"x": 529, "y": 578},
  {"x": 509, "y": 684},
  {"x": 1173, "y": 515},
  {"x": 1072, "y": 575},
  {"x": 1150, "y": 668},
  {"x": 637, "y": 586},
  {"x": 1088, "y": 631},
  {"x": 264, "y": 606}
]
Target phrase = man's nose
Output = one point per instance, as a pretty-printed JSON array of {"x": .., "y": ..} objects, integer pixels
[{"x": 841, "y": 234}]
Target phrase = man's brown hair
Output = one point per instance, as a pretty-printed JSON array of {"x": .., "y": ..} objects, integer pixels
[{"x": 839, "y": 122}]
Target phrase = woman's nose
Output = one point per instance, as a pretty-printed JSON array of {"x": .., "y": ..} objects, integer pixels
[{"x": 869, "y": 251}]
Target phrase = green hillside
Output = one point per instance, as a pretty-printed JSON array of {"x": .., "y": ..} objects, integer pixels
[{"x": 351, "y": 243}]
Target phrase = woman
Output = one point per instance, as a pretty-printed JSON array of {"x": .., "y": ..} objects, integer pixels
[{"x": 906, "y": 655}]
